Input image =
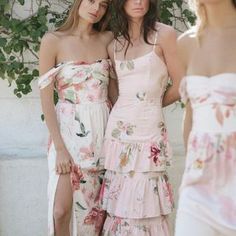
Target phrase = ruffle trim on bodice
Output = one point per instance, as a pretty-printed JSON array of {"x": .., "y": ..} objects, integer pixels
[
  {"x": 49, "y": 77},
  {"x": 201, "y": 90}
]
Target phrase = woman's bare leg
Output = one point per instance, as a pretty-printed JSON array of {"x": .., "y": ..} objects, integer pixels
[{"x": 63, "y": 206}]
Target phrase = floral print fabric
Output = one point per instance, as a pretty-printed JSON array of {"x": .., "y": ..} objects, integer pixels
[
  {"x": 82, "y": 113},
  {"x": 136, "y": 192},
  {"x": 208, "y": 185}
]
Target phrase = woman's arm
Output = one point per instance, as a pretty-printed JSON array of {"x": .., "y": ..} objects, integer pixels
[
  {"x": 47, "y": 60},
  {"x": 185, "y": 47},
  {"x": 168, "y": 43}
]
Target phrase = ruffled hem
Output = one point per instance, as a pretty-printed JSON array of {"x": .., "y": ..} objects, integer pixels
[
  {"x": 158, "y": 226},
  {"x": 137, "y": 195},
  {"x": 139, "y": 156}
]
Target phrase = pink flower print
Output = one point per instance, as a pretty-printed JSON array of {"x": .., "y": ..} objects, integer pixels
[
  {"x": 67, "y": 111},
  {"x": 78, "y": 87},
  {"x": 116, "y": 222},
  {"x": 81, "y": 74},
  {"x": 106, "y": 66},
  {"x": 228, "y": 96},
  {"x": 203, "y": 98},
  {"x": 102, "y": 189},
  {"x": 194, "y": 143},
  {"x": 90, "y": 196},
  {"x": 95, "y": 84},
  {"x": 168, "y": 192},
  {"x": 228, "y": 208},
  {"x": 63, "y": 86},
  {"x": 97, "y": 94},
  {"x": 90, "y": 97},
  {"x": 155, "y": 153},
  {"x": 93, "y": 171},
  {"x": 80, "y": 63},
  {"x": 86, "y": 152},
  {"x": 76, "y": 176},
  {"x": 96, "y": 216},
  {"x": 165, "y": 137}
]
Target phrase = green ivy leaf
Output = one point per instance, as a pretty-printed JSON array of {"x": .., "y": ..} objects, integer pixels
[
  {"x": 3, "y": 42},
  {"x": 22, "y": 2}
]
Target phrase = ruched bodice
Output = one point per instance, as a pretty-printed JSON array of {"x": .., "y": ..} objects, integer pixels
[
  {"x": 208, "y": 185},
  {"x": 213, "y": 100},
  {"x": 78, "y": 82}
]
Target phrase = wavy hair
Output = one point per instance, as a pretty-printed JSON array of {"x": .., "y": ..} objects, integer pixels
[
  {"x": 120, "y": 26},
  {"x": 72, "y": 20}
]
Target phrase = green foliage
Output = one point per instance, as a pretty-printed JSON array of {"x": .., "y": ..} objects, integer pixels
[
  {"x": 20, "y": 38},
  {"x": 175, "y": 13}
]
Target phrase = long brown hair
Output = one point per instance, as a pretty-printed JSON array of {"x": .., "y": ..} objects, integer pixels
[
  {"x": 72, "y": 20},
  {"x": 120, "y": 26}
]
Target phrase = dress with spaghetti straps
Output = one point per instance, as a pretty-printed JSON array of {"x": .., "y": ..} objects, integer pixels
[
  {"x": 136, "y": 192},
  {"x": 82, "y": 113}
]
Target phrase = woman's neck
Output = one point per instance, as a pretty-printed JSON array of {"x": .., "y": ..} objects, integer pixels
[
  {"x": 135, "y": 29},
  {"x": 221, "y": 15},
  {"x": 84, "y": 29}
]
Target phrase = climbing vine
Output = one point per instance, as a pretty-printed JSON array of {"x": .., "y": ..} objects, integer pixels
[{"x": 20, "y": 35}]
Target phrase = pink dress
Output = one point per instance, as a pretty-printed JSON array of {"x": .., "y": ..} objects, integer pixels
[
  {"x": 208, "y": 190},
  {"x": 136, "y": 193},
  {"x": 82, "y": 113}
]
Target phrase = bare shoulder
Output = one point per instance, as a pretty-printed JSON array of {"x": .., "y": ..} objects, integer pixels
[
  {"x": 187, "y": 41},
  {"x": 166, "y": 32},
  {"x": 50, "y": 39},
  {"x": 187, "y": 38},
  {"x": 107, "y": 37}
]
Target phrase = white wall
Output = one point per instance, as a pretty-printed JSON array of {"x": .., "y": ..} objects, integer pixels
[
  {"x": 23, "y": 165},
  {"x": 22, "y": 132}
]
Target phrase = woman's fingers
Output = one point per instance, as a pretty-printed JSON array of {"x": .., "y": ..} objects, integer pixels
[
  {"x": 68, "y": 167},
  {"x": 63, "y": 165}
]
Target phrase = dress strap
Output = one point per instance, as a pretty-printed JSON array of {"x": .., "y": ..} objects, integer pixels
[
  {"x": 155, "y": 39},
  {"x": 114, "y": 49}
]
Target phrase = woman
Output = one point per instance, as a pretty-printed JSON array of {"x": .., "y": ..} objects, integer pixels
[
  {"x": 207, "y": 204},
  {"x": 77, "y": 54},
  {"x": 136, "y": 192}
]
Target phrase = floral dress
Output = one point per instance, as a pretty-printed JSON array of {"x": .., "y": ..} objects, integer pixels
[
  {"x": 82, "y": 113},
  {"x": 136, "y": 192},
  {"x": 208, "y": 187}
]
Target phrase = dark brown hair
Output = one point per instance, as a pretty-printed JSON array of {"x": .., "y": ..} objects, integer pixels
[
  {"x": 234, "y": 2},
  {"x": 120, "y": 26}
]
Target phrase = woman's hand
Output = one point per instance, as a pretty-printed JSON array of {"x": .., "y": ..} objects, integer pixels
[{"x": 64, "y": 162}]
